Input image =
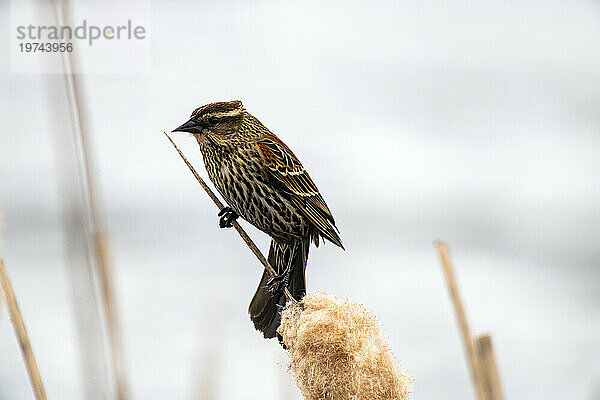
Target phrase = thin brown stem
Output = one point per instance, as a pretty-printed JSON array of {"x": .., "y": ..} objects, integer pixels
[
  {"x": 19, "y": 326},
  {"x": 487, "y": 365},
  {"x": 236, "y": 225},
  {"x": 461, "y": 317}
]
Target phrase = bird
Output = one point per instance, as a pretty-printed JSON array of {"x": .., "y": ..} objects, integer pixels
[{"x": 262, "y": 181}]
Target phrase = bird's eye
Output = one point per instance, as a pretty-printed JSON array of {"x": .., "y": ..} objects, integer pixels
[{"x": 213, "y": 120}]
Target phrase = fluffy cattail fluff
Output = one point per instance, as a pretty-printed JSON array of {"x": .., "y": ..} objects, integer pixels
[{"x": 338, "y": 352}]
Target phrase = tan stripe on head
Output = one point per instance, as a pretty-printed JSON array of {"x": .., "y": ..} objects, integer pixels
[
  {"x": 220, "y": 109},
  {"x": 230, "y": 113}
]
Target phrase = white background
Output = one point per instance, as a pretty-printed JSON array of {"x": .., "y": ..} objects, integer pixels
[{"x": 475, "y": 122}]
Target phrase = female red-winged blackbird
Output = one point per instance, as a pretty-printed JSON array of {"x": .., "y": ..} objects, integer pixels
[{"x": 262, "y": 181}]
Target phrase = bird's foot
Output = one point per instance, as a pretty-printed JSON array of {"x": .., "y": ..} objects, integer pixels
[
  {"x": 277, "y": 284},
  {"x": 227, "y": 217}
]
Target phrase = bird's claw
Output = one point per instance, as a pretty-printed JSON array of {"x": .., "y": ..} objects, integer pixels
[
  {"x": 227, "y": 217},
  {"x": 276, "y": 285}
]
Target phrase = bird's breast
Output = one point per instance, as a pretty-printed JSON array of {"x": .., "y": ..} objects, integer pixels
[{"x": 242, "y": 182}]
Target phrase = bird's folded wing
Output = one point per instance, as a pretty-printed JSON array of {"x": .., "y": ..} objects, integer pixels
[{"x": 287, "y": 171}]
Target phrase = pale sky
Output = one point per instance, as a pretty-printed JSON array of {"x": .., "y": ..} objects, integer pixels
[{"x": 474, "y": 122}]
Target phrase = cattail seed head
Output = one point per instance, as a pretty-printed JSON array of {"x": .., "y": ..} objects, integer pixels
[{"x": 337, "y": 351}]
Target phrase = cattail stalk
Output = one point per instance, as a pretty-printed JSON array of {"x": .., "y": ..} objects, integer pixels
[
  {"x": 461, "y": 318},
  {"x": 19, "y": 326},
  {"x": 487, "y": 366}
]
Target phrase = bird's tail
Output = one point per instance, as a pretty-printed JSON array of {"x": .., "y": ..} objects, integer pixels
[{"x": 264, "y": 310}]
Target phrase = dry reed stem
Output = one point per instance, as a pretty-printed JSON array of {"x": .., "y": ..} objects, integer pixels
[
  {"x": 487, "y": 366},
  {"x": 21, "y": 332},
  {"x": 100, "y": 245},
  {"x": 1, "y": 291},
  {"x": 108, "y": 294},
  {"x": 87, "y": 305},
  {"x": 1, "y": 301},
  {"x": 338, "y": 352},
  {"x": 236, "y": 225},
  {"x": 461, "y": 318}
]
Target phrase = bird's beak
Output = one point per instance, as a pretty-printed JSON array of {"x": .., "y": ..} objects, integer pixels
[{"x": 190, "y": 126}]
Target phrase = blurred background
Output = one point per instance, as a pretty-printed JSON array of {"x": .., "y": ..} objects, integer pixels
[{"x": 473, "y": 122}]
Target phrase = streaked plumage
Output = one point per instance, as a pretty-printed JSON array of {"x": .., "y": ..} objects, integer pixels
[{"x": 262, "y": 181}]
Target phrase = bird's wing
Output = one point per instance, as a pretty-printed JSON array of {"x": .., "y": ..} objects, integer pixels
[{"x": 288, "y": 173}]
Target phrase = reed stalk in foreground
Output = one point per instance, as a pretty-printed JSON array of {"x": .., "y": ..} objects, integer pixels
[{"x": 21, "y": 332}]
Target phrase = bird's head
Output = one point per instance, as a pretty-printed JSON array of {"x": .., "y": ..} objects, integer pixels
[{"x": 218, "y": 122}]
